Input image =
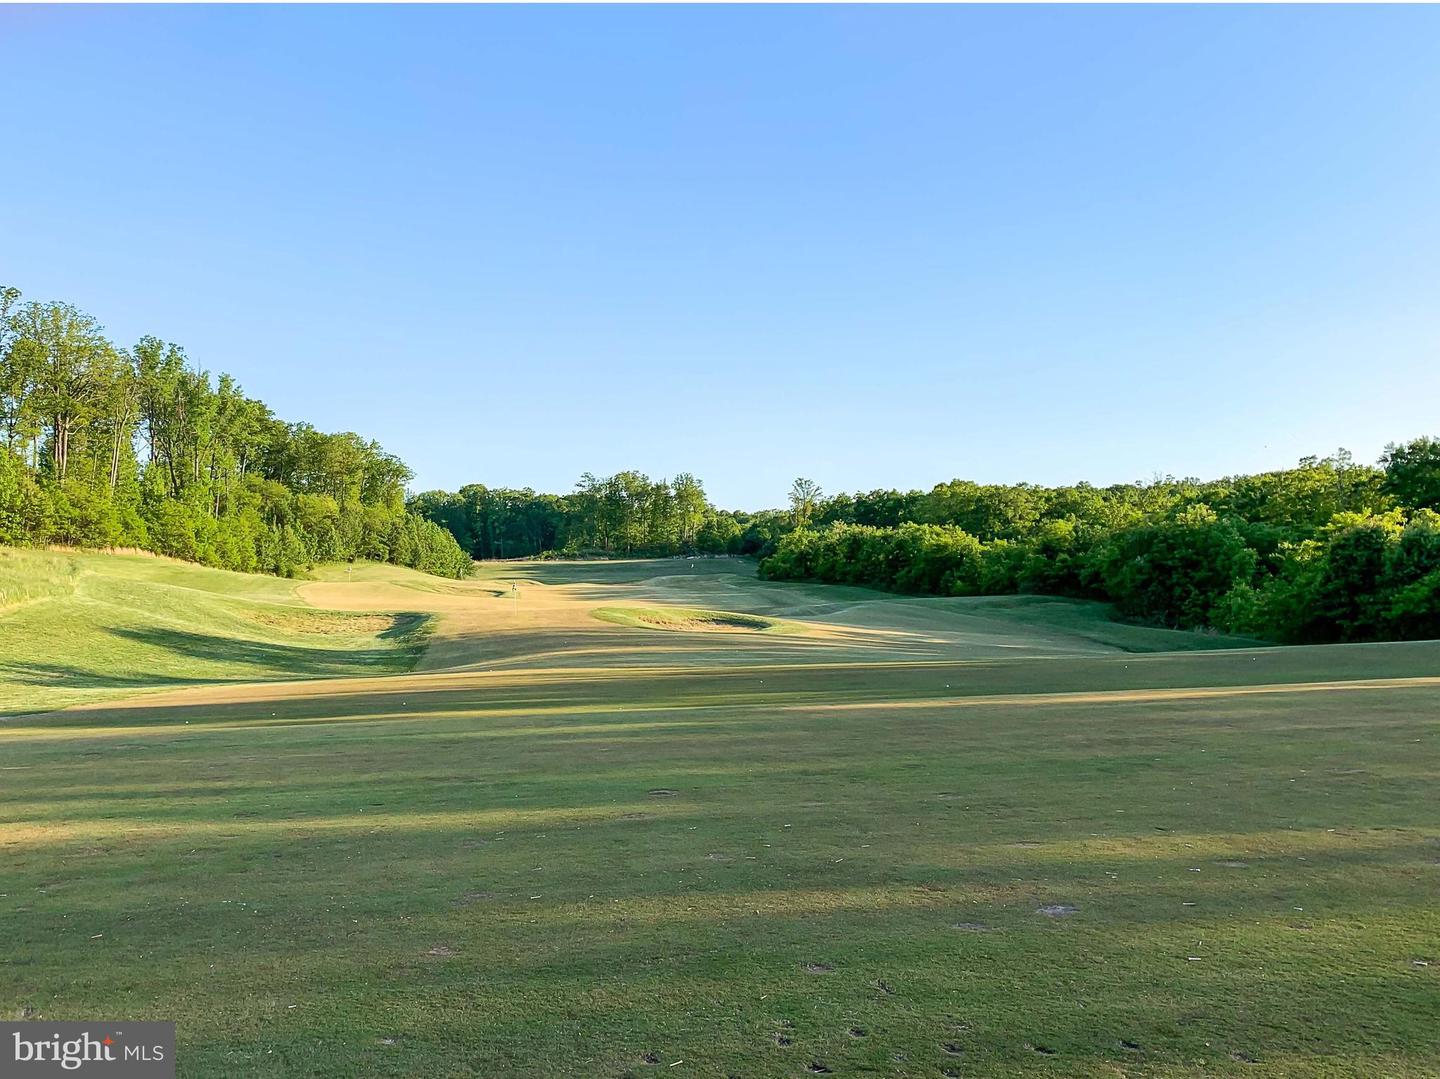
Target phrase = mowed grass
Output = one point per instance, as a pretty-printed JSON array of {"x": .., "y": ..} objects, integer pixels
[
  {"x": 1098, "y": 864},
  {"x": 76, "y": 626}
]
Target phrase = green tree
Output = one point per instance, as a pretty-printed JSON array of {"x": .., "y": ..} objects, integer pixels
[
  {"x": 805, "y": 495},
  {"x": 71, "y": 364},
  {"x": 1412, "y": 473},
  {"x": 690, "y": 507}
]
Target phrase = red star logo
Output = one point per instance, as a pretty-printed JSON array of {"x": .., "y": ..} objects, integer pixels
[{"x": 108, "y": 1040}]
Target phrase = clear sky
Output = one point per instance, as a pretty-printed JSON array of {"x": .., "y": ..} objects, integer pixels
[{"x": 876, "y": 246}]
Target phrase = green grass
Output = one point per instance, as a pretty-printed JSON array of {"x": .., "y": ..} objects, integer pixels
[
  {"x": 77, "y": 627},
  {"x": 751, "y": 867},
  {"x": 385, "y": 573},
  {"x": 959, "y": 627},
  {"x": 1096, "y": 622}
]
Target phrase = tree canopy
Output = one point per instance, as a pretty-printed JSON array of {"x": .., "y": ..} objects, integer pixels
[
  {"x": 1326, "y": 551},
  {"x": 105, "y": 446},
  {"x": 627, "y": 514}
]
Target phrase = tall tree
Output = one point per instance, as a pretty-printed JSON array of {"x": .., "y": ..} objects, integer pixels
[
  {"x": 17, "y": 378},
  {"x": 804, "y": 497},
  {"x": 72, "y": 363},
  {"x": 690, "y": 508}
]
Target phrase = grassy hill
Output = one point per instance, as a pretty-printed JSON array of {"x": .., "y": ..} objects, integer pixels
[
  {"x": 918, "y": 837},
  {"x": 77, "y": 627}
]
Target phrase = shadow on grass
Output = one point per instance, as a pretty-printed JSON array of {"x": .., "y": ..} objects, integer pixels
[
  {"x": 613, "y": 645},
  {"x": 940, "y": 686},
  {"x": 715, "y": 869},
  {"x": 288, "y": 658},
  {"x": 754, "y": 916},
  {"x": 235, "y": 660}
]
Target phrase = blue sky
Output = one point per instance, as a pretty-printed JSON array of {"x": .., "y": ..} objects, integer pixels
[{"x": 874, "y": 246}]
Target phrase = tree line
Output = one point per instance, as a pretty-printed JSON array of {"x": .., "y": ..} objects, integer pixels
[
  {"x": 104, "y": 446},
  {"x": 1330, "y": 550},
  {"x": 627, "y": 515}
]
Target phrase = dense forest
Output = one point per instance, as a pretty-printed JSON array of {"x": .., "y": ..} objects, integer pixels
[
  {"x": 1330, "y": 550},
  {"x": 105, "y": 446},
  {"x": 627, "y": 514}
]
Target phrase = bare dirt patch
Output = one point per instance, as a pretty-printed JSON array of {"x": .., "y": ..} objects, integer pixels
[
  {"x": 469, "y": 899},
  {"x": 1057, "y": 910}
]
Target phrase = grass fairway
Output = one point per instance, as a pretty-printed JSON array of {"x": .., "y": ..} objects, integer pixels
[{"x": 913, "y": 838}]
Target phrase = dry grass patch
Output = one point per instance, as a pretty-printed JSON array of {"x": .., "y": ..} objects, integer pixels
[
  {"x": 327, "y": 623},
  {"x": 693, "y": 619}
]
